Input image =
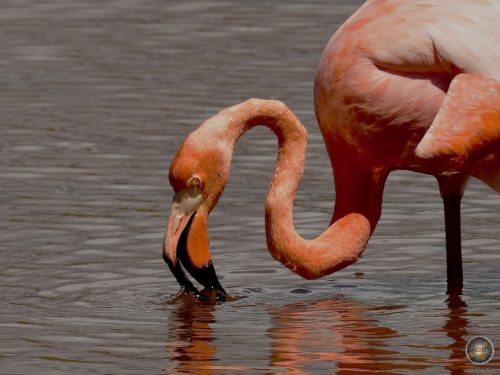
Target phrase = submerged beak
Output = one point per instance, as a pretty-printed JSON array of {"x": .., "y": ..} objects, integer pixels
[{"x": 186, "y": 243}]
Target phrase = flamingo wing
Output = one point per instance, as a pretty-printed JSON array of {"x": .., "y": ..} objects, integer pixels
[{"x": 467, "y": 125}]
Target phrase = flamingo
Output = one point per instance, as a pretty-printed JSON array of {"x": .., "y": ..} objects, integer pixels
[{"x": 411, "y": 85}]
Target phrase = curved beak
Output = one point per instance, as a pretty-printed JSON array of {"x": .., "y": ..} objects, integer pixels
[{"x": 186, "y": 243}]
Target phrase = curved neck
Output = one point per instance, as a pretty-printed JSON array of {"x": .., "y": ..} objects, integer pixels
[{"x": 346, "y": 238}]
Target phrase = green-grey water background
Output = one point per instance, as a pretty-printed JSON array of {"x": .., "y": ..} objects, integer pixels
[{"x": 95, "y": 98}]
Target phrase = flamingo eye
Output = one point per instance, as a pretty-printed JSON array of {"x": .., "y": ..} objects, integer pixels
[{"x": 194, "y": 182}]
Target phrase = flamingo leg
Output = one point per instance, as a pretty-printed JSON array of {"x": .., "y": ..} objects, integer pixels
[
  {"x": 451, "y": 188},
  {"x": 453, "y": 241}
]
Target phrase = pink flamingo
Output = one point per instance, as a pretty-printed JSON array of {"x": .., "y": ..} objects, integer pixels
[{"x": 409, "y": 85}]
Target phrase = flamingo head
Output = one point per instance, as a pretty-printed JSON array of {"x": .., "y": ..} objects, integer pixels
[{"x": 198, "y": 174}]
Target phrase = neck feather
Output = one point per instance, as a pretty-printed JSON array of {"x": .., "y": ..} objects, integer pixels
[{"x": 342, "y": 243}]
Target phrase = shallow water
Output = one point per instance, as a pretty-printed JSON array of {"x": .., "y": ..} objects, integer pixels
[{"x": 96, "y": 97}]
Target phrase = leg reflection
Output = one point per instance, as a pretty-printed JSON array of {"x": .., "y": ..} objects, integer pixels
[{"x": 456, "y": 329}]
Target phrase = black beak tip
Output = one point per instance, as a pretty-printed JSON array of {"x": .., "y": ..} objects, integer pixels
[
  {"x": 220, "y": 295},
  {"x": 205, "y": 275},
  {"x": 215, "y": 294},
  {"x": 194, "y": 292}
]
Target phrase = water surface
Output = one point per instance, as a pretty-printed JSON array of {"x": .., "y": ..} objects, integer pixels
[{"x": 96, "y": 98}]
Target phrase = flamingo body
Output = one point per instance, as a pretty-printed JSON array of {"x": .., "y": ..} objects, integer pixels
[
  {"x": 385, "y": 73},
  {"x": 401, "y": 85}
]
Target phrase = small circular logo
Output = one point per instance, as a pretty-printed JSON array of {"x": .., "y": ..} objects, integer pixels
[{"x": 479, "y": 350}]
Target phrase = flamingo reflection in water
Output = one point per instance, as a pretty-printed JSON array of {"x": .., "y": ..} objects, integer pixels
[{"x": 334, "y": 334}]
